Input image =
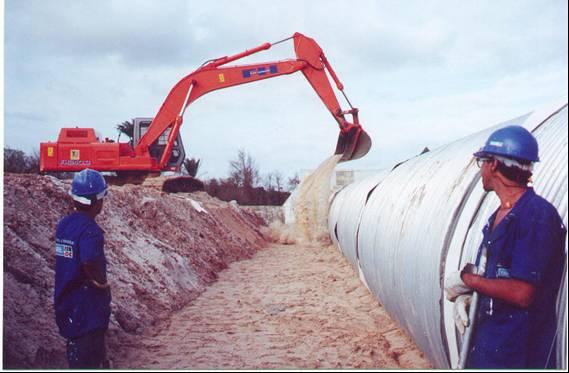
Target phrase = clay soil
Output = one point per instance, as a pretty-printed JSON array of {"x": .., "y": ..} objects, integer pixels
[{"x": 289, "y": 307}]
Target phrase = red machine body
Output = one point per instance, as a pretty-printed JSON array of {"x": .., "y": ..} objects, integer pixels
[{"x": 79, "y": 148}]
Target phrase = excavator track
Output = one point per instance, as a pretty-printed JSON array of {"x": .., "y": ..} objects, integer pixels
[
  {"x": 168, "y": 184},
  {"x": 127, "y": 177},
  {"x": 174, "y": 184}
]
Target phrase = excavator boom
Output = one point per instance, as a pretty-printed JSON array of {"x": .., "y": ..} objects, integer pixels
[{"x": 353, "y": 141}]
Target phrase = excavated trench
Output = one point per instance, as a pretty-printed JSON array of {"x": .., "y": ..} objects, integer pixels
[
  {"x": 289, "y": 307},
  {"x": 196, "y": 284}
]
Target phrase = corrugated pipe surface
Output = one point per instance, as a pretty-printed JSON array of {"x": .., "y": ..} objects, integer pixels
[{"x": 406, "y": 229}]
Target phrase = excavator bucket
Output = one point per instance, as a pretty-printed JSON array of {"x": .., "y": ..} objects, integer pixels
[{"x": 353, "y": 145}]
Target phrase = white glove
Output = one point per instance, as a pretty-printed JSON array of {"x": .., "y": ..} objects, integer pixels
[
  {"x": 454, "y": 286},
  {"x": 460, "y": 312}
]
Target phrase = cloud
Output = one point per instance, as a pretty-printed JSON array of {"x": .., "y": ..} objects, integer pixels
[
  {"x": 421, "y": 73},
  {"x": 146, "y": 34}
]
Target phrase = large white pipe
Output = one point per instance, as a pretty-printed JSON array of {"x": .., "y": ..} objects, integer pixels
[{"x": 407, "y": 229}]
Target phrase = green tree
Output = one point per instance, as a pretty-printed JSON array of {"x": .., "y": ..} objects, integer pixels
[
  {"x": 192, "y": 166},
  {"x": 127, "y": 128}
]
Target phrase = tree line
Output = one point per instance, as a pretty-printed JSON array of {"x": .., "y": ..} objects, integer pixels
[
  {"x": 17, "y": 161},
  {"x": 245, "y": 184}
]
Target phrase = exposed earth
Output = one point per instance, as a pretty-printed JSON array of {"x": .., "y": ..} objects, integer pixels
[
  {"x": 197, "y": 283},
  {"x": 289, "y": 307}
]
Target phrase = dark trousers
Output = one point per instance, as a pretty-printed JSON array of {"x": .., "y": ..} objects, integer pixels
[{"x": 87, "y": 351}]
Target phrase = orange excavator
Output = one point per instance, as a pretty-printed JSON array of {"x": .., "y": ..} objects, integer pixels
[{"x": 157, "y": 146}]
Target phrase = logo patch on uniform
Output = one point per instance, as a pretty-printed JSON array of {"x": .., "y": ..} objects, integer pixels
[
  {"x": 63, "y": 250},
  {"x": 75, "y": 154}
]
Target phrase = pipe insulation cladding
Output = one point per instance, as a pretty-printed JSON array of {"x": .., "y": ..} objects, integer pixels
[{"x": 405, "y": 229}]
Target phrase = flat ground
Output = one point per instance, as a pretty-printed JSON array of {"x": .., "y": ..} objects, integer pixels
[{"x": 290, "y": 306}]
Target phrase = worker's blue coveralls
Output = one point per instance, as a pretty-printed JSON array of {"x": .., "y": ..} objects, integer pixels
[
  {"x": 82, "y": 310},
  {"x": 528, "y": 245}
]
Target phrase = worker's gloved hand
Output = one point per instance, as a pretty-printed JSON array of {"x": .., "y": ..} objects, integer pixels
[
  {"x": 460, "y": 311},
  {"x": 470, "y": 268},
  {"x": 454, "y": 286}
]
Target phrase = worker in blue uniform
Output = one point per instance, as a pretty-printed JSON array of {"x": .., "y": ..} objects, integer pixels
[
  {"x": 82, "y": 294},
  {"x": 516, "y": 323}
]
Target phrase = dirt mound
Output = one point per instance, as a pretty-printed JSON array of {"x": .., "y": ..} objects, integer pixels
[
  {"x": 174, "y": 184},
  {"x": 162, "y": 251}
]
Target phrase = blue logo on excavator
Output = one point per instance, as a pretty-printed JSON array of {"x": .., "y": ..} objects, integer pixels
[{"x": 260, "y": 71}]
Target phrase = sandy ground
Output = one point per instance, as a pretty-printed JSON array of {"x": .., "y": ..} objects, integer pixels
[
  {"x": 196, "y": 287},
  {"x": 290, "y": 306},
  {"x": 163, "y": 250}
]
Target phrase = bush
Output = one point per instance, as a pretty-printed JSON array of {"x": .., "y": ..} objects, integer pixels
[
  {"x": 242, "y": 184},
  {"x": 229, "y": 190},
  {"x": 17, "y": 161}
]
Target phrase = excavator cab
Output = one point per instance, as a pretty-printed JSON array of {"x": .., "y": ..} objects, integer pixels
[{"x": 178, "y": 155}]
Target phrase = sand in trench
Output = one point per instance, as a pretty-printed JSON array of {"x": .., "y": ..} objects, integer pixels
[{"x": 290, "y": 306}]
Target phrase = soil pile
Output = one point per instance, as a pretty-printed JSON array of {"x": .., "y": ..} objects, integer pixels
[{"x": 162, "y": 250}]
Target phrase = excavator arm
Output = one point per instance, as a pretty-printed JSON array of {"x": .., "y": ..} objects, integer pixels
[{"x": 353, "y": 141}]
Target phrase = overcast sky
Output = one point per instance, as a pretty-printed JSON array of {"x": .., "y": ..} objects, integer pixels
[{"x": 422, "y": 73}]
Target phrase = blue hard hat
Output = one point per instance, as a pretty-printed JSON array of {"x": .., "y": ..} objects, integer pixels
[
  {"x": 88, "y": 183},
  {"x": 511, "y": 142}
]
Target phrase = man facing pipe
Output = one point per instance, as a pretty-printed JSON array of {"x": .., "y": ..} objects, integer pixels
[{"x": 516, "y": 321}]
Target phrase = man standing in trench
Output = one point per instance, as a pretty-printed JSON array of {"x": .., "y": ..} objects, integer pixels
[
  {"x": 82, "y": 295},
  {"x": 516, "y": 320}
]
